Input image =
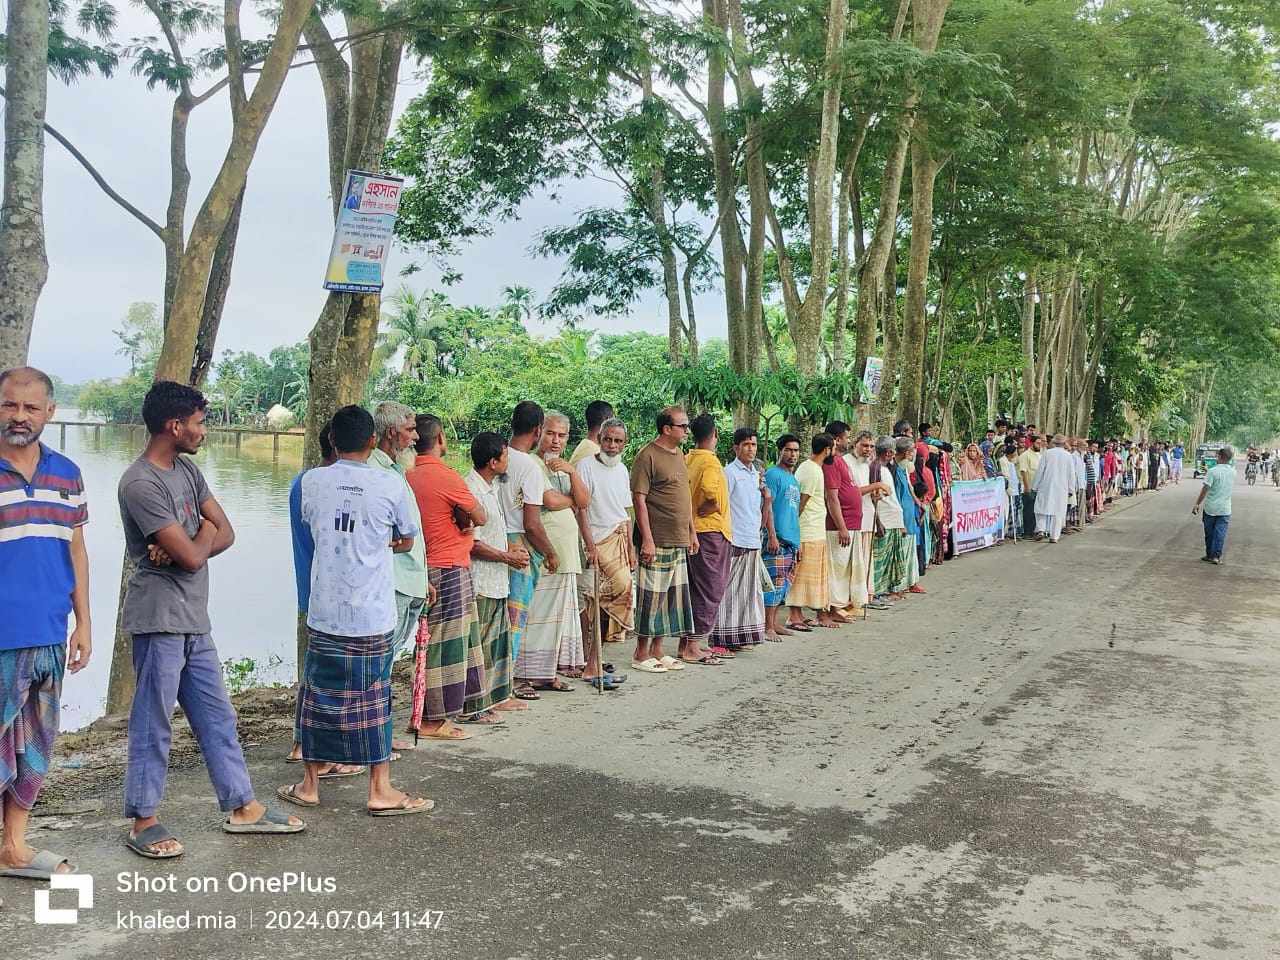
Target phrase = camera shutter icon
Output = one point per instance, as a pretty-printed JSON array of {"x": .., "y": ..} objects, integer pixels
[{"x": 82, "y": 883}]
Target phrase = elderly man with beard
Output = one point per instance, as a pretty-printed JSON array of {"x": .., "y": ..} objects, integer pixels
[
  {"x": 1053, "y": 483},
  {"x": 397, "y": 431},
  {"x": 45, "y": 570},
  {"x": 858, "y": 458},
  {"x": 609, "y": 579},
  {"x": 553, "y": 634},
  {"x": 894, "y": 553}
]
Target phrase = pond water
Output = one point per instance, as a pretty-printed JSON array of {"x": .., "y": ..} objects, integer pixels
[{"x": 252, "y": 597}]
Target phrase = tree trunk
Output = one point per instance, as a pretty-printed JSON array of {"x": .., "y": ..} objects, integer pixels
[
  {"x": 807, "y": 332},
  {"x": 215, "y": 298},
  {"x": 924, "y": 172},
  {"x": 1029, "y": 348},
  {"x": 842, "y": 264},
  {"x": 178, "y": 354},
  {"x": 889, "y": 322},
  {"x": 24, "y": 266}
]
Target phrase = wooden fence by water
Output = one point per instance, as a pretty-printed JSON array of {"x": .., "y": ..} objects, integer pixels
[{"x": 134, "y": 428}]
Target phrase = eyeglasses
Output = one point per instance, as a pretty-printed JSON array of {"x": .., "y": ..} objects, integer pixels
[{"x": 680, "y": 426}]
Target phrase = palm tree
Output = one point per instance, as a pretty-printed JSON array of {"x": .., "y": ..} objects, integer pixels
[
  {"x": 410, "y": 326},
  {"x": 517, "y": 303}
]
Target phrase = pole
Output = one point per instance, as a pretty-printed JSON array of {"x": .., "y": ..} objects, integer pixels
[{"x": 595, "y": 628}]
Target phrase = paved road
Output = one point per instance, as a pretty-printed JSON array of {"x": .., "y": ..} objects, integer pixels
[{"x": 1062, "y": 751}]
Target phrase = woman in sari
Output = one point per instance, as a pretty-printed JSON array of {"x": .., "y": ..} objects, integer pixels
[{"x": 972, "y": 466}]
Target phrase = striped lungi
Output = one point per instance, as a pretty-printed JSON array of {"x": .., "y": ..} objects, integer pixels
[
  {"x": 552, "y": 621},
  {"x": 894, "y": 562},
  {"x": 708, "y": 578},
  {"x": 849, "y": 569},
  {"x": 30, "y": 695},
  {"x": 521, "y": 583},
  {"x": 344, "y": 699},
  {"x": 495, "y": 645},
  {"x": 664, "y": 606},
  {"x": 613, "y": 574},
  {"x": 455, "y": 659},
  {"x": 740, "y": 622},
  {"x": 811, "y": 586},
  {"x": 781, "y": 567}
]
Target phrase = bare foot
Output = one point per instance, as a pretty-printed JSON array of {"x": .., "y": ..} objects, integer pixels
[{"x": 511, "y": 704}]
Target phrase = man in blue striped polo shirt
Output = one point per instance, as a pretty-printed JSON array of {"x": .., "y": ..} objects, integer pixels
[{"x": 44, "y": 569}]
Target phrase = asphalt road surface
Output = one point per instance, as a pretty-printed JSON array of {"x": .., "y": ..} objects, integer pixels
[{"x": 1062, "y": 751}]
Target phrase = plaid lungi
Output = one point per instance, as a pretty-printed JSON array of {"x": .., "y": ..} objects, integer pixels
[
  {"x": 495, "y": 644},
  {"x": 612, "y": 573},
  {"x": 553, "y": 634},
  {"x": 455, "y": 660},
  {"x": 894, "y": 562},
  {"x": 811, "y": 586},
  {"x": 664, "y": 607},
  {"x": 740, "y": 622},
  {"x": 30, "y": 694},
  {"x": 708, "y": 579},
  {"x": 521, "y": 585},
  {"x": 781, "y": 567},
  {"x": 344, "y": 699}
]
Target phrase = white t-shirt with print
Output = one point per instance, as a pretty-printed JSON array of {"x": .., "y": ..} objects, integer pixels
[
  {"x": 610, "y": 489},
  {"x": 524, "y": 482},
  {"x": 354, "y": 511},
  {"x": 491, "y": 579}
]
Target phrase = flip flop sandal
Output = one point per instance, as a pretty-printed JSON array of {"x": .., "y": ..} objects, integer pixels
[
  {"x": 555, "y": 686},
  {"x": 156, "y": 833},
  {"x": 340, "y": 774},
  {"x": 601, "y": 683},
  {"x": 44, "y": 865},
  {"x": 800, "y": 627},
  {"x": 710, "y": 660},
  {"x": 652, "y": 665},
  {"x": 402, "y": 809},
  {"x": 447, "y": 736},
  {"x": 288, "y": 794},
  {"x": 526, "y": 693},
  {"x": 271, "y": 821}
]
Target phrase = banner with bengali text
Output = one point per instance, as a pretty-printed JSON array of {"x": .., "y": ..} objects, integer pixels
[
  {"x": 362, "y": 235},
  {"x": 979, "y": 511}
]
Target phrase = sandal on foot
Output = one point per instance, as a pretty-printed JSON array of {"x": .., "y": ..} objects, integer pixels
[
  {"x": 525, "y": 692},
  {"x": 553, "y": 686},
  {"x": 652, "y": 665},
  {"x": 156, "y": 833},
  {"x": 44, "y": 865},
  {"x": 484, "y": 717},
  {"x": 404, "y": 808},
  {"x": 671, "y": 663},
  {"x": 453, "y": 734},
  {"x": 800, "y": 627},
  {"x": 289, "y": 794},
  {"x": 333, "y": 773},
  {"x": 709, "y": 660},
  {"x": 271, "y": 821}
]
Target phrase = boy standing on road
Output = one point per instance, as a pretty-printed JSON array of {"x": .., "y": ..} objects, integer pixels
[
  {"x": 1215, "y": 496},
  {"x": 172, "y": 527}
]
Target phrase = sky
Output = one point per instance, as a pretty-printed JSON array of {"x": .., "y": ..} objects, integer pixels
[{"x": 101, "y": 259}]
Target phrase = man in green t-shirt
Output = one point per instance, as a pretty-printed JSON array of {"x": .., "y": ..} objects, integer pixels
[{"x": 1215, "y": 496}]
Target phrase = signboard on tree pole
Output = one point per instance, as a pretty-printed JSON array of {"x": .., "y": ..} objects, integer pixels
[{"x": 362, "y": 236}]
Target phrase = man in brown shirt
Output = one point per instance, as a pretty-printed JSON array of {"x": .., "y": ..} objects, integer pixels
[{"x": 664, "y": 521}]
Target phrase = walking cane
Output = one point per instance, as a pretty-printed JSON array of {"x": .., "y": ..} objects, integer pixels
[{"x": 595, "y": 628}]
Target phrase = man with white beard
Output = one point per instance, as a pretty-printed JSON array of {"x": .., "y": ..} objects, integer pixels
[
  {"x": 1054, "y": 481},
  {"x": 861, "y": 452}
]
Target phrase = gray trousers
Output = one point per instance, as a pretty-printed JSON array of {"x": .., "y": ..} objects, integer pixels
[{"x": 176, "y": 668}]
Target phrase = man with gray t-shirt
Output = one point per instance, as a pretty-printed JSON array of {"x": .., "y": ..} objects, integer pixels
[{"x": 172, "y": 526}]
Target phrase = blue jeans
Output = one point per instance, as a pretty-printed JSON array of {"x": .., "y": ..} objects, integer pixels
[
  {"x": 181, "y": 668},
  {"x": 1215, "y": 535}
]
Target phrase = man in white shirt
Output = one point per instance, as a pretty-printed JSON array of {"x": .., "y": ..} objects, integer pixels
[
  {"x": 520, "y": 491},
  {"x": 492, "y": 557},
  {"x": 858, "y": 459},
  {"x": 1053, "y": 483},
  {"x": 354, "y": 511},
  {"x": 608, "y": 481}
]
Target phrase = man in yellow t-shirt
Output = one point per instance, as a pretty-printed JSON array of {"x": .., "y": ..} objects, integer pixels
[
  {"x": 812, "y": 584},
  {"x": 1027, "y": 463},
  {"x": 709, "y": 567}
]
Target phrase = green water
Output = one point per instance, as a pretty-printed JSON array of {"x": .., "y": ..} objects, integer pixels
[{"x": 252, "y": 597}]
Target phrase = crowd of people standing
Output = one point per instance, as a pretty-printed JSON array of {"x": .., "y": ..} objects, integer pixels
[{"x": 506, "y": 583}]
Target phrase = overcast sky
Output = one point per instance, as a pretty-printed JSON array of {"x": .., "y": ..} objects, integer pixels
[{"x": 101, "y": 259}]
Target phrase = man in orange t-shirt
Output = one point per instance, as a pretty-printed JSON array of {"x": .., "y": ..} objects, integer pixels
[{"x": 455, "y": 660}]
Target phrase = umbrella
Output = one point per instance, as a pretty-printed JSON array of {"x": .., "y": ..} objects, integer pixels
[{"x": 420, "y": 675}]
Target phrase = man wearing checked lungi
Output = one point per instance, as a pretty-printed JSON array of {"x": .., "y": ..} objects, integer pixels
[
  {"x": 44, "y": 567},
  {"x": 358, "y": 515}
]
